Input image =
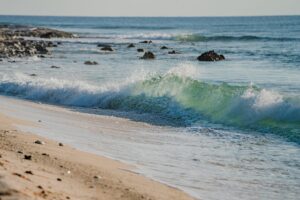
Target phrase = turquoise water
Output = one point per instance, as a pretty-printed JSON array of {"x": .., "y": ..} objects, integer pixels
[{"x": 255, "y": 92}]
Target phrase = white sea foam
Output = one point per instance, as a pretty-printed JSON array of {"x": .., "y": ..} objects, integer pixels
[{"x": 173, "y": 95}]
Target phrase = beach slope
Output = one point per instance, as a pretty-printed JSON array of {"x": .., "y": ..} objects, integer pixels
[{"x": 32, "y": 167}]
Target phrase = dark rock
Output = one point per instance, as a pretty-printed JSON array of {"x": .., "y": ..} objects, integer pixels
[
  {"x": 27, "y": 157},
  {"x": 33, "y": 75},
  {"x": 173, "y": 52},
  {"x": 45, "y": 154},
  {"x": 11, "y": 45},
  {"x": 148, "y": 55},
  {"x": 49, "y": 44},
  {"x": 107, "y": 48},
  {"x": 48, "y": 33},
  {"x": 39, "y": 142},
  {"x": 54, "y": 67},
  {"x": 19, "y": 175},
  {"x": 210, "y": 56},
  {"x": 58, "y": 179},
  {"x": 140, "y": 50},
  {"x": 41, "y": 48},
  {"x": 164, "y": 47},
  {"x": 146, "y": 42},
  {"x": 90, "y": 63},
  {"x": 61, "y": 144},
  {"x": 29, "y": 172},
  {"x": 131, "y": 46}
]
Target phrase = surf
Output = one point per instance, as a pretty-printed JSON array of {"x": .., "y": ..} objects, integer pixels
[
  {"x": 227, "y": 38},
  {"x": 175, "y": 96}
]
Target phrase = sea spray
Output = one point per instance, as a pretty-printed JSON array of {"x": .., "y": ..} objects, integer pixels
[{"x": 175, "y": 96}]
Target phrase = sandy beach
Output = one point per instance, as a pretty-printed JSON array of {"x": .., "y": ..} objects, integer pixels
[
  {"x": 166, "y": 107},
  {"x": 49, "y": 170}
]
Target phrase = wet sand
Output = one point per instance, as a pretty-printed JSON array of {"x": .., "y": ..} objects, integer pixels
[{"x": 54, "y": 171}]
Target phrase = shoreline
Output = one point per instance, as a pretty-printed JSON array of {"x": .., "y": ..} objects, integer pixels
[{"x": 63, "y": 172}]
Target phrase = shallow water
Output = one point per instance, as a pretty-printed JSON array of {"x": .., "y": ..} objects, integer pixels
[{"x": 232, "y": 127}]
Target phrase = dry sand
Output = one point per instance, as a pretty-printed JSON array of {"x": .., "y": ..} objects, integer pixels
[{"x": 61, "y": 172}]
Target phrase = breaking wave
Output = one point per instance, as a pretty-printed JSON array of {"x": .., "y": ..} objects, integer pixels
[{"x": 174, "y": 96}]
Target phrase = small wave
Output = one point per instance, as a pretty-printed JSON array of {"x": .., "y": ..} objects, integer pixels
[
  {"x": 140, "y": 36},
  {"x": 115, "y": 27},
  {"x": 189, "y": 37},
  {"x": 202, "y": 38},
  {"x": 175, "y": 96}
]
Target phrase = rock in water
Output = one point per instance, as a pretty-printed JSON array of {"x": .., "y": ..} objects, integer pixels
[
  {"x": 146, "y": 42},
  {"x": 54, "y": 34},
  {"x": 173, "y": 52},
  {"x": 148, "y": 55},
  {"x": 12, "y": 45},
  {"x": 90, "y": 63},
  {"x": 210, "y": 56},
  {"x": 164, "y": 47},
  {"x": 140, "y": 50},
  {"x": 107, "y": 48},
  {"x": 131, "y": 45}
]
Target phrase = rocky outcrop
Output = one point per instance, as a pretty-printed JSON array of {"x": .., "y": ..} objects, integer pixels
[
  {"x": 22, "y": 48},
  {"x": 210, "y": 56},
  {"x": 148, "y": 55},
  {"x": 22, "y": 31},
  {"x": 164, "y": 47},
  {"x": 13, "y": 45}
]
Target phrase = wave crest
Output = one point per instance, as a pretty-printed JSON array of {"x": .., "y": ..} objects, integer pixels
[{"x": 174, "y": 96}]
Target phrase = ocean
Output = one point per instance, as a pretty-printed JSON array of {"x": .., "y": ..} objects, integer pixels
[{"x": 227, "y": 129}]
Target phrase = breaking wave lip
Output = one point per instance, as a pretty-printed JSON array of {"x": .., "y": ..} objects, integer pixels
[{"x": 175, "y": 96}]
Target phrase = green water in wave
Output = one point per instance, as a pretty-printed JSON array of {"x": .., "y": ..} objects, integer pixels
[{"x": 247, "y": 107}]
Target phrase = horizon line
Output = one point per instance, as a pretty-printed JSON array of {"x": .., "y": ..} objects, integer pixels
[{"x": 171, "y": 16}]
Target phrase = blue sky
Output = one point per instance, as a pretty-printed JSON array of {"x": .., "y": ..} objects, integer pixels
[{"x": 150, "y": 7}]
